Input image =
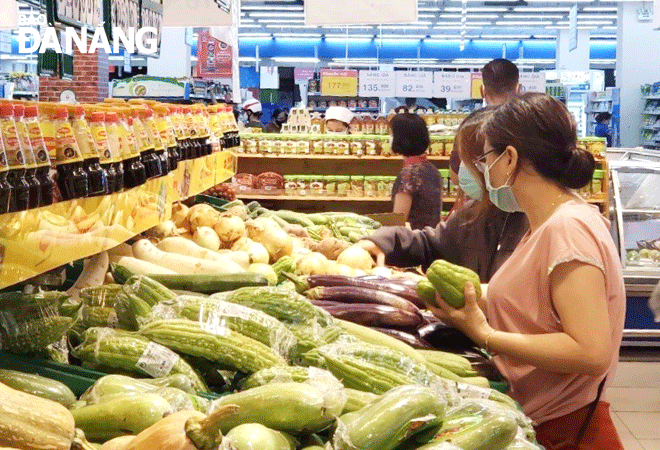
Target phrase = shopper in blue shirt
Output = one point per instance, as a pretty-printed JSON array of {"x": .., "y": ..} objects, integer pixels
[{"x": 603, "y": 127}]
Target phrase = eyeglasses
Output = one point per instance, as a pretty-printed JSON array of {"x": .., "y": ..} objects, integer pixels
[{"x": 480, "y": 162}]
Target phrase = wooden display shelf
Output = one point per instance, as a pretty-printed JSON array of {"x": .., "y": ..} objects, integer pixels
[
  {"x": 330, "y": 157},
  {"x": 316, "y": 198},
  {"x": 38, "y": 240}
]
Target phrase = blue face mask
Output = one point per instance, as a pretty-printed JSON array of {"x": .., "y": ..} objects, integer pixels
[
  {"x": 502, "y": 197},
  {"x": 468, "y": 183}
]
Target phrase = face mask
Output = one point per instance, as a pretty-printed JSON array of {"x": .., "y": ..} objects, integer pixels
[
  {"x": 502, "y": 197},
  {"x": 468, "y": 183}
]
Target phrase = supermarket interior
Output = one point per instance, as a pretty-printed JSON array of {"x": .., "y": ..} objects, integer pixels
[{"x": 329, "y": 224}]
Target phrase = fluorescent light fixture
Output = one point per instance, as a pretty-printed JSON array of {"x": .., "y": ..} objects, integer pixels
[
  {"x": 451, "y": 16},
  {"x": 427, "y": 16},
  {"x": 545, "y": 36},
  {"x": 543, "y": 9},
  {"x": 271, "y": 8},
  {"x": 254, "y": 35},
  {"x": 281, "y": 21},
  {"x": 403, "y": 36},
  {"x": 610, "y": 28},
  {"x": 458, "y": 26},
  {"x": 594, "y": 22},
  {"x": 359, "y": 37},
  {"x": 479, "y": 9},
  {"x": 356, "y": 60},
  {"x": 505, "y": 36},
  {"x": 587, "y": 27},
  {"x": 295, "y": 26},
  {"x": 425, "y": 9},
  {"x": 292, "y": 59},
  {"x": 533, "y": 16},
  {"x": 247, "y": 59},
  {"x": 276, "y": 14},
  {"x": 20, "y": 57},
  {"x": 523, "y": 23},
  {"x": 415, "y": 60},
  {"x": 599, "y": 8},
  {"x": 602, "y": 36},
  {"x": 297, "y": 35},
  {"x": 404, "y": 27}
]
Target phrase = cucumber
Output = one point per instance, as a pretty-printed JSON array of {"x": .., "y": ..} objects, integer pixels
[
  {"x": 210, "y": 284},
  {"x": 37, "y": 385},
  {"x": 493, "y": 433},
  {"x": 294, "y": 218},
  {"x": 253, "y": 206},
  {"x": 318, "y": 219},
  {"x": 120, "y": 273}
]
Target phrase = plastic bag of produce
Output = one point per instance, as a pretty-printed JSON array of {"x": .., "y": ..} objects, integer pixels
[{"x": 31, "y": 322}]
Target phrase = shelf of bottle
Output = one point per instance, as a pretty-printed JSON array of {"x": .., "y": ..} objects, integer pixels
[
  {"x": 36, "y": 241},
  {"x": 334, "y": 157},
  {"x": 316, "y": 198}
]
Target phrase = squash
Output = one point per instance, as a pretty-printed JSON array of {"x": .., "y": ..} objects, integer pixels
[
  {"x": 118, "y": 443},
  {"x": 29, "y": 422},
  {"x": 184, "y": 430}
]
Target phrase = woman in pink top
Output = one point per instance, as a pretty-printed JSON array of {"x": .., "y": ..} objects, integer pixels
[{"x": 554, "y": 312}]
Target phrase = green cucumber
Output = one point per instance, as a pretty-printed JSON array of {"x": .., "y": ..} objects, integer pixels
[
  {"x": 37, "y": 385},
  {"x": 210, "y": 284},
  {"x": 294, "y": 218},
  {"x": 493, "y": 433}
]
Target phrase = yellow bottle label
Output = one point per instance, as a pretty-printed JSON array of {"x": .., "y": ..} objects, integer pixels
[
  {"x": 154, "y": 135},
  {"x": 170, "y": 132},
  {"x": 85, "y": 139},
  {"x": 100, "y": 136},
  {"x": 38, "y": 143},
  {"x": 21, "y": 129},
  {"x": 134, "y": 149},
  {"x": 113, "y": 142},
  {"x": 67, "y": 147},
  {"x": 13, "y": 148},
  {"x": 124, "y": 146},
  {"x": 49, "y": 133},
  {"x": 3, "y": 158},
  {"x": 142, "y": 136}
]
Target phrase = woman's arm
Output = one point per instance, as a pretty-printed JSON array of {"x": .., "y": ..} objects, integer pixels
[
  {"x": 402, "y": 204},
  {"x": 578, "y": 296}
]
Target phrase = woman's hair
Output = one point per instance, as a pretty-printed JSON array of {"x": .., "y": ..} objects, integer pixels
[
  {"x": 603, "y": 116},
  {"x": 543, "y": 132},
  {"x": 410, "y": 136}
]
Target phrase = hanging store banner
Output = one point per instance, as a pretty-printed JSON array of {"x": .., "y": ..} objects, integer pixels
[
  {"x": 214, "y": 57},
  {"x": 532, "y": 82},
  {"x": 197, "y": 13},
  {"x": 9, "y": 16},
  {"x": 301, "y": 75},
  {"x": 414, "y": 84},
  {"x": 79, "y": 13},
  {"x": 350, "y": 12},
  {"x": 339, "y": 83},
  {"x": 377, "y": 83},
  {"x": 457, "y": 85}
]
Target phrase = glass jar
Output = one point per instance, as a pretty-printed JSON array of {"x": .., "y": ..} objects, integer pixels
[
  {"x": 437, "y": 147},
  {"x": 386, "y": 146},
  {"x": 357, "y": 186},
  {"x": 449, "y": 145},
  {"x": 597, "y": 183},
  {"x": 343, "y": 186},
  {"x": 382, "y": 187},
  {"x": 370, "y": 186},
  {"x": 342, "y": 146},
  {"x": 316, "y": 185},
  {"x": 303, "y": 145},
  {"x": 357, "y": 144},
  {"x": 303, "y": 184},
  {"x": 390, "y": 185},
  {"x": 329, "y": 145},
  {"x": 446, "y": 179},
  {"x": 330, "y": 185},
  {"x": 290, "y": 184},
  {"x": 267, "y": 146},
  {"x": 370, "y": 144}
]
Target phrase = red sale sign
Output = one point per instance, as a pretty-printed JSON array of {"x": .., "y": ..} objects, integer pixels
[{"x": 214, "y": 57}]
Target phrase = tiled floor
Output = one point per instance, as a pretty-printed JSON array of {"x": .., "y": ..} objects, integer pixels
[{"x": 635, "y": 399}]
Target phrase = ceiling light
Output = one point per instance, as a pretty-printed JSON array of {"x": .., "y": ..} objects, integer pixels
[
  {"x": 253, "y": 35},
  {"x": 294, "y": 59},
  {"x": 603, "y": 36},
  {"x": 489, "y": 9},
  {"x": 594, "y": 22},
  {"x": 354, "y": 37},
  {"x": 427, "y": 16},
  {"x": 281, "y": 21},
  {"x": 271, "y": 8},
  {"x": 522, "y": 23},
  {"x": 587, "y": 27},
  {"x": 297, "y": 35},
  {"x": 505, "y": 36},
  {"x": 545, "y": 36},
  {"x": 543, "y": 9},
  {"x": 276, "y": 14},
  {"x": 533, "y": 16},
  {"x": 599, "y": 8},
  {"x": 403, "y": 36},
  {"x": 428, "y": 9}
]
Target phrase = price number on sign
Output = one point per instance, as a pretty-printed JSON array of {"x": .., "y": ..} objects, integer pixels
[
  {"x": 339, "y": 86},
  {"x": 370, "y": 87},
  {"x": 407, "y": 88},
  {"x": 444, "y": 89}
]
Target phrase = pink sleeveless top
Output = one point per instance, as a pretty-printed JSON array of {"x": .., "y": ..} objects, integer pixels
[{"x": 519, "y": 301}]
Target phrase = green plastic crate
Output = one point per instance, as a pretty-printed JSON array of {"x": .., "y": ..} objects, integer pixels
[{"x": 214, "y": 201}]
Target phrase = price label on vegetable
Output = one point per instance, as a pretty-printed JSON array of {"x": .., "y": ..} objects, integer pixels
[
  {"x": 157, "y": 360},
  {"x": 377, "y": 83},
  {"x": 339, "y": 83},
  {"x": 452, "y": 85},
  {"x": 414, "y": 84}
]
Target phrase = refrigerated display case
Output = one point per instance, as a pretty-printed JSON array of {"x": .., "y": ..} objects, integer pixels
[{"x": 636, "y": 229}]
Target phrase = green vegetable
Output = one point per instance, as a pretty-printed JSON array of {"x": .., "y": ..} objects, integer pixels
[
  {"x": 284, "y": 264},
  {"x": 282, "y": 374},
  {"x": 148, "y": 289},
  {"x": 294, "y": 218},
  {"x": 104, "y": 295},
  {"x": 33, "y": 336},
  {"x": 318, "y": 219},
  {"x": 253, "y": 436},
  {"x": 264, "y": 270},
  {"x": 394, "y": 417},
  {"x": 492, "y": 433},
  {"x": 37, "y": 385},
  {"x": 449, "y": 280},
  {"x": 210, "y": 284},
  {"x": 229, "y": 349},
  {"x": 120, "y": 273},
  {"x": 131, "y": 310},
  {"x": 356, "y": 400}
]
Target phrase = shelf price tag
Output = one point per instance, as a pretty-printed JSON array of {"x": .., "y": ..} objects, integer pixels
[
  {"x": 414, "y": 84},
  {"x": 532, "y": 82},
  {"x": 452, "y": 85},
  {"x": 377, "y": 83},
  {"x": 339, "y": 83}
]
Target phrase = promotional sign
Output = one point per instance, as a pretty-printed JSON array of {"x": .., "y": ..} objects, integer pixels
[
  {"x": 414, "y": 84},
  {"x": 197, "y": 13},
  {"x": 81, "y": 13},
  {"x": 477, "y": 81},
  {"x": 147, "y": 86},
  {"x": 456, "y": 85},
  {"x": 302, "y": 74},
  {"x": 339, "y": 83},
  {"x": 349, "y": 12},
  {"x": 532, "y": 82},
  {"x": 377, "y": 83},
  {"x": 214, "y": 57}
]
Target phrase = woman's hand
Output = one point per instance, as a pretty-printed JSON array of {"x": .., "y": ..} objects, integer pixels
[
  {"x": 373, "y": 250},
  {"x": 470, "y": 319}
]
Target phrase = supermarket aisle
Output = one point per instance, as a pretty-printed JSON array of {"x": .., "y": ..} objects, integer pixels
[{"x": 635, "y": 399}]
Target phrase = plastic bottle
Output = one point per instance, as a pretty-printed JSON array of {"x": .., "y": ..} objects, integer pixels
[
  {"x": 111, "y": 125},
  {"x": 30, "y": 159},
  {"x": 167, "y": 136},
  {"x": 5, "y": 187},
  {"x": 40, "y": 153},
  {"x": 71, "y": 177},
  {"x": 148, "y": 156},
  {"x": 192, "y": 135},
  {"x": 20, "y": 191},
  {"x": 179, "y": 131},
  {"x": 215, "y": 127},
  {"x": 200, "y": 122},
  {"x": 97, "y": 178},
  {"x": 134, "y": 172},
  {"x": 100, "y": 136},
  {"x": 147, "y": 116}
]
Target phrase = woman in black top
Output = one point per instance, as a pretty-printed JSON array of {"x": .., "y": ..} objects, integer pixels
[{"x": 417, "y": 192}]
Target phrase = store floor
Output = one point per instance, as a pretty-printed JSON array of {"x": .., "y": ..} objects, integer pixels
[{"x": 635, "y": 399}]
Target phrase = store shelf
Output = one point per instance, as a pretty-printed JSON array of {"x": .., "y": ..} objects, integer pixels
[
  {"x": 652, "y": 97},
  {"x": 596, "y": 201},
  {"x": 331, "y": 157},
  {"x": 651, "y": 112},
  {"x": 26, "y": 93},
  {"x": 357, "y": 110},
  {"x": 39, "y": 240},
  {"x": 317, "y": 198}
]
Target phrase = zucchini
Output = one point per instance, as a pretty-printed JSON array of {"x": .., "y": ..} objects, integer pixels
[
  {"x": 120, "y": 273},
  {"x": 252, "y": 206},
  {"x": 493, "y": 433},
  {"x": 294, "y": 218},
  {"x": 318, "y": 219},
  {"x": 37, "y": 385},
  {"x": 210, "y": 284},
  {"x": 252, "y": 436}
]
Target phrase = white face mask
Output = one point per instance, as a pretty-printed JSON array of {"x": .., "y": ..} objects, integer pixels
[{"x": 502, "y": 197}]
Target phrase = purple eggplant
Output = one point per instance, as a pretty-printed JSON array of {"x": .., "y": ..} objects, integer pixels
[
  {"x": 374, "y": 315},
  {"x": 392, "y": 287},
  {"x": 324, "y": 303},
  {"x": 408, "y": 338},
  {"x": 349, "y": 294}
]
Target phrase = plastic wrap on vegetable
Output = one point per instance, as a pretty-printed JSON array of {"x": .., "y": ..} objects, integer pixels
[
  {"x": 31, "y": 322},
  {"x": 396, "y": 416},
  {"x": 218, "y": 315},
  {"x": 130, "y": 352},
  {"x": 483, "y": 407},
  {"x": 254, "y": 436}
]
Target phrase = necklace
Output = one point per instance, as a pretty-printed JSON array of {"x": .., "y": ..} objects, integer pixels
[{"x": 499, "y": 239}]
